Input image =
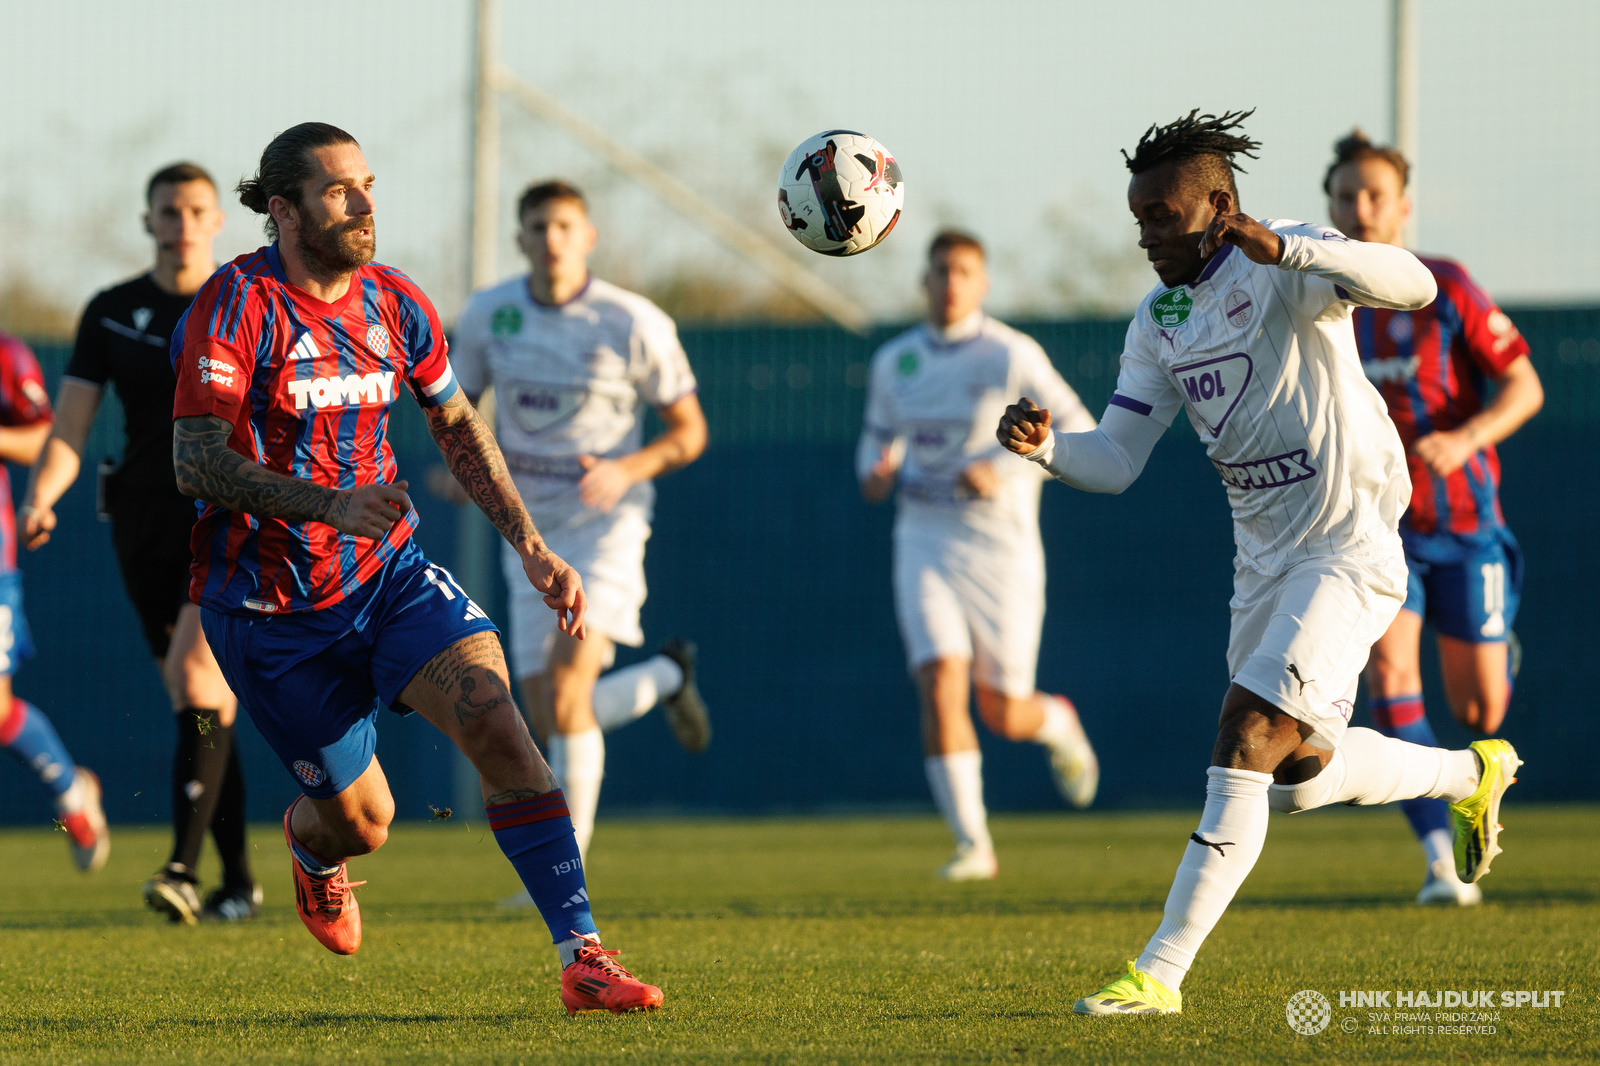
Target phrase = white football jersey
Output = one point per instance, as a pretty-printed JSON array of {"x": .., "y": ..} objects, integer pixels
[
  {"x": 569, "y": 380},
  {"x": 1264, "y": 361},
  {"x": 935, "y": 397}
]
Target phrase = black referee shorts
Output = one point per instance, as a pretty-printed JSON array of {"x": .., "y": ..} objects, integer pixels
[{"x": 151, "y": 532}]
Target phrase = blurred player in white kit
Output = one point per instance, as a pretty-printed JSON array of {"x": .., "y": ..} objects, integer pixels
[
  {"x": 572, "y": 359},
  {"x": 968, "y": 562}
]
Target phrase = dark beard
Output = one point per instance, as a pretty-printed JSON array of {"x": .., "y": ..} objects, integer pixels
[{"x": 335, "y": 250}]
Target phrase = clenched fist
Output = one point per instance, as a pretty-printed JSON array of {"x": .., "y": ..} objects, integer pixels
[{"x": 1024, "y": 427}]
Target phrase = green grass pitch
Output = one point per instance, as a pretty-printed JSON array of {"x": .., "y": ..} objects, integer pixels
[{"x": 809, "y": 941}]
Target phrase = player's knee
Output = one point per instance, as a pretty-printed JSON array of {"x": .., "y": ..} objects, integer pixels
[{"x": 370, "y": 829}]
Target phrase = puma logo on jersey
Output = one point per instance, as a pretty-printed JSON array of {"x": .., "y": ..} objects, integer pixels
[
  {"x": 1267, "y": 473},
  {"x": 352, "y": 390},
  {"x": 1294, "y": 672},
  {"x": 1379, "y": 371}
]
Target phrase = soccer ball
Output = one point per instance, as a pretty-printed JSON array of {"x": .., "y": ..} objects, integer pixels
[{"x": 840, "y": 192}]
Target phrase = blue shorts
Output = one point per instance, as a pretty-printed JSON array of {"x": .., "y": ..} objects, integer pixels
[
  {"x": 16, "y": 639},
  {"x": 1468, "y": 587},
  {"x": 312, "y": 681}
]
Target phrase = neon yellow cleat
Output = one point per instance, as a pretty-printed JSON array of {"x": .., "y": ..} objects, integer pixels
[
  {"x": 1137, "y": 993},
  {"x": 1477, "y": 818}
]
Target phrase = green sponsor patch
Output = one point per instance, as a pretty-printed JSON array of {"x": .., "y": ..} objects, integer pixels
[
  {"x": 507, "y": 321},
  {"x": 1171, "y": 308},
  {"x": 906, "y": 364}
]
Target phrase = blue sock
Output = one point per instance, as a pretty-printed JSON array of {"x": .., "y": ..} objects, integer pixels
[
  {"x": 536, "y": 835},
  {"x": 27, "y": 734},
  {"x": 1403, "y": 718}
]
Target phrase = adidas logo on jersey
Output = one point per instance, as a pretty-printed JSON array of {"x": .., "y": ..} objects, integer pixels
[
  {"x": 352, "y": 390},
  {"x": 304, "y": 348},
  {"x": 1267, "y": 473}
]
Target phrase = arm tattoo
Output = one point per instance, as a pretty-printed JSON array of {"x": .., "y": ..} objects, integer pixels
[
  {"x": 473, "y": 456},
  {"x": 209, "y": 470}
]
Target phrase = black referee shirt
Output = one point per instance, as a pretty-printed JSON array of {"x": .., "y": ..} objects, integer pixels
[{"x": 124, "y": 338}]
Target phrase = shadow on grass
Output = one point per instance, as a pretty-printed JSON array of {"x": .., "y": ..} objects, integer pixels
[{"x": 966, "y": 904}]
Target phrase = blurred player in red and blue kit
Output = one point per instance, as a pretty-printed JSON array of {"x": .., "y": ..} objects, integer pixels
[
  {"x": 25, "y": 733},
  {"x": 316, "y": 600},
  {"x": 1435, "y": 368}
]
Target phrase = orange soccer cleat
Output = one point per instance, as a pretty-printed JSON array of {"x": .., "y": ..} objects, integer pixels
[
  {"x": 327, "y": 905},
  {"x": 596, "y": 981}
]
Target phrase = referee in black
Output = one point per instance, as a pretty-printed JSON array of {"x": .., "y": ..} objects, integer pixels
[{"x": 123, "y": 339}]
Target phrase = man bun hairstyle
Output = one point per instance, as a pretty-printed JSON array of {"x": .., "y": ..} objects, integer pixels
[
  {"x": 535, "y": 196},
  {"x": 1204, "y": 138},
  {"x": 286, "y": 166},
  {"x": 949, "y": 239},
  {"x": 1354, "y": 147},
  {"x": 176, "y": 174}
]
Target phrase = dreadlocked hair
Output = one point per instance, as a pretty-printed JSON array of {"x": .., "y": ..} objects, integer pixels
[
  {"x": 1205, "y": 138},
  {"x": 1355, "y": 147}
]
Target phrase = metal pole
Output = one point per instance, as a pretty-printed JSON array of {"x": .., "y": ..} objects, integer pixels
[
  {"x": 1406, "y": 34},
  {"x": 474, "y": 535},
  {"x": 737, "y": 236},
  {"x": 485, "y": 146}
]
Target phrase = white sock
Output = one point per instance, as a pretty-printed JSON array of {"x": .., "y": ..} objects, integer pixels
[
  {"x": 957, "y": 784},
  {"x": 1439, "y": 844},
  {"x": 1234, "y": 826},
  {"x": 629, "y": 693},
  {"x": 579, "y": 762},
  {"x": 1368, "y": 769},
  {"x": 1060, "y": 726}
]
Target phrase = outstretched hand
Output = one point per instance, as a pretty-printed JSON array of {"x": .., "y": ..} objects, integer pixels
[
  {"x": 562, "y": 588},
  {"x": 1256, "y": 241},
  {"x": 1024, "y": 427}
]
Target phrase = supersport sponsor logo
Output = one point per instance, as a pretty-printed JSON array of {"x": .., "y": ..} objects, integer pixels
[
  {"x": 216, "y": 370},
  {"x": 350, "y": 390},
  {"x": 1267, "y": 473}
]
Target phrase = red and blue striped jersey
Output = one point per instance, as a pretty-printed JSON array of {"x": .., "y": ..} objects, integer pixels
[
  {"x": 23, "y": 402},
  {"x": 307, "y": 387},
  {"x": 1433, "y": 367}
]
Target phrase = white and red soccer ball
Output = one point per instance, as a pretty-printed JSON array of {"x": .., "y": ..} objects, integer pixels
[{"x": 840, "y": 192}]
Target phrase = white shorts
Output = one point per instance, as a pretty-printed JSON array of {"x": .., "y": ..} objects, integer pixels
[
  {"x": 1300, "y": 640},
  {"x": 607, "y": 550},
  {"x": 960, "y": 597}
]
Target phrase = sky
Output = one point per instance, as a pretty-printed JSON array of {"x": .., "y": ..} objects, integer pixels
[{"x": 1006, "y": 116}]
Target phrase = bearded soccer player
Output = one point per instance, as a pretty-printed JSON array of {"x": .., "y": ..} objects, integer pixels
[
  {"x": 25, "y": 731},
  {"x": 314, "y": 596},
  {"x": 1434, "y": 367},
  {"x": 123, "y": 340},
  {"x": 573, "y": 360},
  {"x": 968, "y": 562},
  {"x": 1250, "y": 333}
]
